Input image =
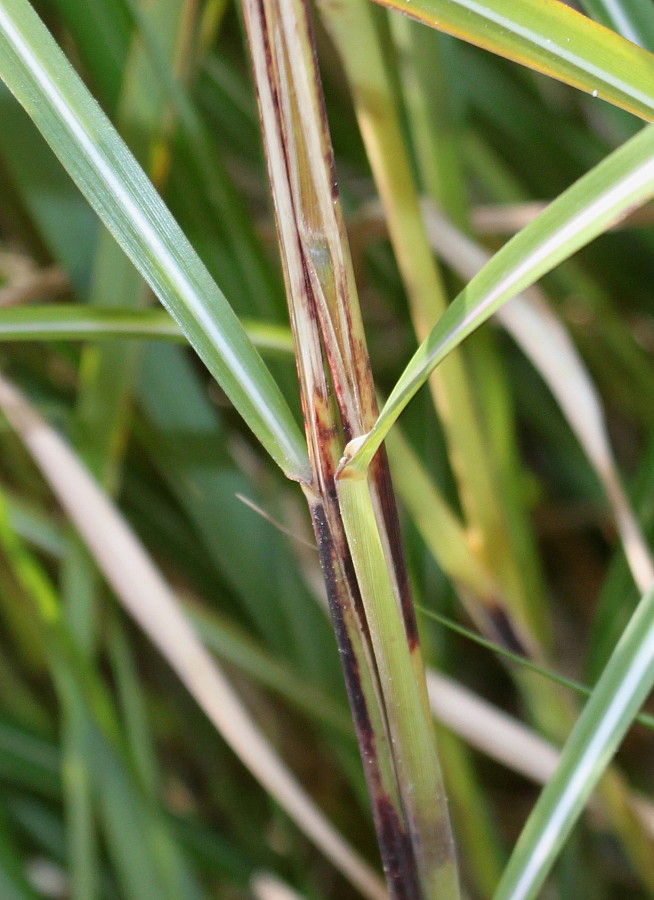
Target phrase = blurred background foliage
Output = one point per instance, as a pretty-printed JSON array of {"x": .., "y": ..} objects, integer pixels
[{"x": 131, "y": 794}]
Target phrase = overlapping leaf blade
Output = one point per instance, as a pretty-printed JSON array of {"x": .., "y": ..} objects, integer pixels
[
  {"x": 585, "y": 210},
  {"x": 621, "y": 690},
  {"x": 39, "y": 75},
  {"x": 551, "y": 38}
]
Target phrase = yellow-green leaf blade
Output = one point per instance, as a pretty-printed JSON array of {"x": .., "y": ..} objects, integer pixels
[
  {"x": 585, "y": 210},
  {"x": 553, "y": 39}
]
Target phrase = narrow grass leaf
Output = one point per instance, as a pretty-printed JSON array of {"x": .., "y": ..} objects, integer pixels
[
  {"x": 542, "y": 337},
  {"x": 621, "y": 690},
  {"x": 503, "y": 738},
  {"x": 585, "y": 210},
  {"x": 197, "y": 152},
  {"x": 551, "y": 38},
  {"x": 39, "y": 75}
]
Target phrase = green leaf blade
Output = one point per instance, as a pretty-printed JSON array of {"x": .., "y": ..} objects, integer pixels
[
  {"x": 38, "y": 74},
  {"x": 619, "y": 694},
  {"x": 551, "y": 38},
  {"x": 581, "y": 213}
]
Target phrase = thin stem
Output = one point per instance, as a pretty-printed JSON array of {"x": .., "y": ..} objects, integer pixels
[{"x": 410, "y": 811}]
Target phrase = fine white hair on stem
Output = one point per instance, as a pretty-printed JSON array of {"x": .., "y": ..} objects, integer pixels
[{"x": 146, "y": 596}]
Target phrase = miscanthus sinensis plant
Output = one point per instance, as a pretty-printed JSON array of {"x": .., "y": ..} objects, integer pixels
[{"x": 268, "y": 609}]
